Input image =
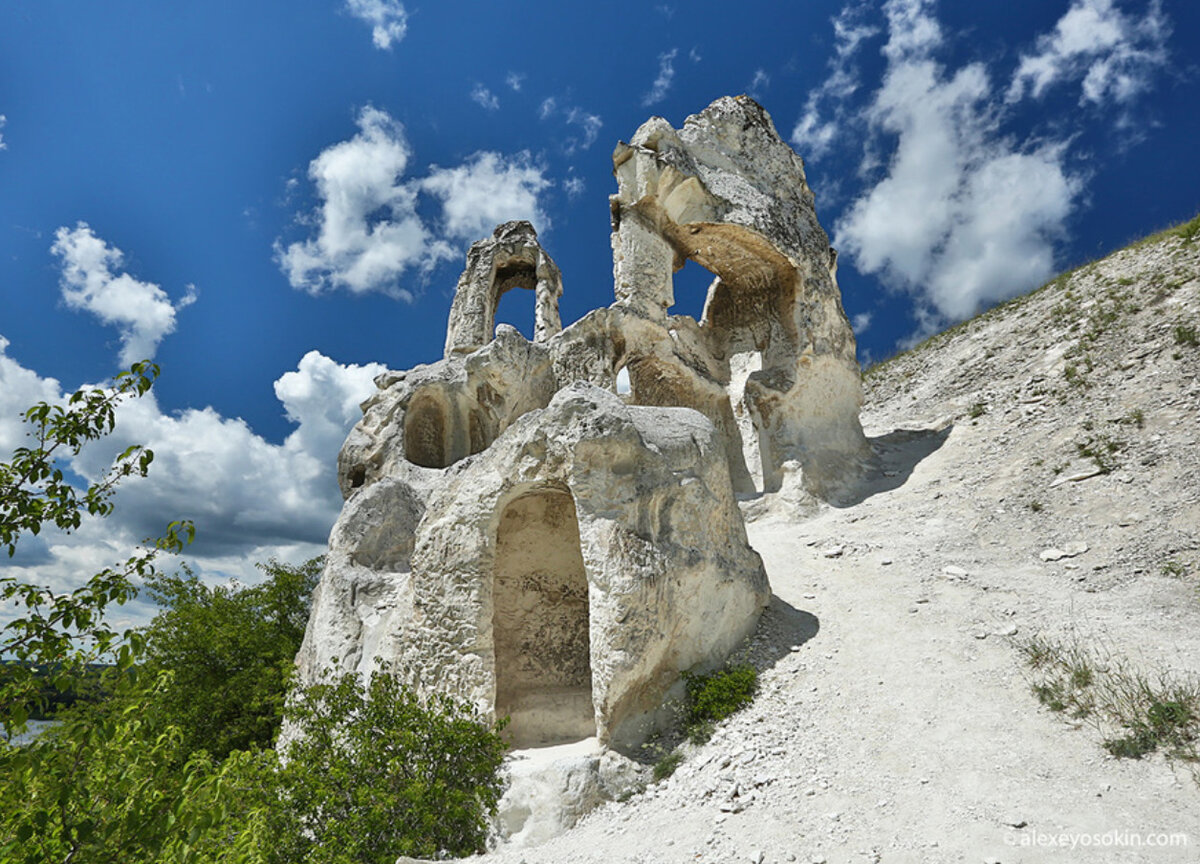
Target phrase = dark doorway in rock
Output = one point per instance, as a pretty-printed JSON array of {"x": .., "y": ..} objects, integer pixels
[
  {"x": 540, "y": 621},
  {"x": 426, "y": 436}
]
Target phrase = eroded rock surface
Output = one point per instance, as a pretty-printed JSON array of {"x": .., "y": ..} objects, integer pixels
[
  {"x": 525, "y": 533},
  {"x": 564, "y": 577}
]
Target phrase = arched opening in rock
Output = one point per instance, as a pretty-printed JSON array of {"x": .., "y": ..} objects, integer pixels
[
  {"x": 748, "y": 320},
  {"x": 623, "y": 384},
  {"x": 517, "y": 308},
  {"x": 540, "y": 621},
  {"x": 689, "y": 284},
  {"x": 427, "y": 432}
]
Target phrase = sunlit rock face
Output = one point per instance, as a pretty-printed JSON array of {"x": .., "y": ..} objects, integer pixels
[
  {"x": 772, "y": 360},
  {"x": 521, "y": 530}
]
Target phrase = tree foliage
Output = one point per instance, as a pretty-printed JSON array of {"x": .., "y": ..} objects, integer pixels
[
  {"x": 110, "y": 784},
  {"x": 62, "y": 632},
  {"x": 371, "y": 774},
  {"x": 169, "y": 767},
  {"x": 230, "y": 651}
]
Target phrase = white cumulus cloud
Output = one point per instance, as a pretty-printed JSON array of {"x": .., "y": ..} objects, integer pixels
[
  {"x": 666, "y": 77},
  {"x": 486, "y": 190},
  {"x": 1113, "y": 55},
  {"x": 388, "y": 19},
  {"x": 142, "y": 311},
  {"x": 3, "y": 123},
  {"x": 249, "y": 498},
  {"x": 965, "y": 216},
  {"x": 368, "y": 231},
  {"x": 20, "y": 388},
  {"x": 955, "y": 208}
]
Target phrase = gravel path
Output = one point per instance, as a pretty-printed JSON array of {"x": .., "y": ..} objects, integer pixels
[{"x": 895, "y": 721}]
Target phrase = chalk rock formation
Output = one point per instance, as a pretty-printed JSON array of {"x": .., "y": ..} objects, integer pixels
[
  {"x": 564, "y": 577},
  {"x": 512, "y": 258},
  {"x": 726, "y": 192},
  {"x": 519, "y": 534}
]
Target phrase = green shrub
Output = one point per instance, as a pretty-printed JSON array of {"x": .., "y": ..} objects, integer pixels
[
  {"x": 1135, "y": 745},
  {"x": 1185, "y": 335},
  {"x": 372, "y": 774},
  {"x": 108, "y": 784},
  {"x": 713, "y": 697},
  {"x": 1102, "y": 450},
  {"x": 230, "y": 652},
  {"x": 666, "y": 766}
]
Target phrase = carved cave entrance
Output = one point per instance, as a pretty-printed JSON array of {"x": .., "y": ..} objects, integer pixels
[{"x": 540, "y": 622}]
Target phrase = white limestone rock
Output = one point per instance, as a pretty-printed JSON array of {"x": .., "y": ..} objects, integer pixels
[
  {"x": 565, "y": 576},
  {"x": 519, "y": 534},
  {"x": 727, "y": 192}
]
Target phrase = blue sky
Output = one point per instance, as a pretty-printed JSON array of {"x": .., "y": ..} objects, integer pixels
[{"x": 273, "y": 199}]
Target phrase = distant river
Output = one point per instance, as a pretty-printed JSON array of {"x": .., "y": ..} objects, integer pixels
[{"x": 36, "y": 727}]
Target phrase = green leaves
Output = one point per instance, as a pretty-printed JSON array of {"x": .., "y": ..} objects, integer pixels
[
  {"x": 108, "y": 784},
  {"x": 230, "y": 652},
  {"x": 66, "y": 631},
  {"x": 372, "y": 773},
  {"x": 33, "y": 490}
]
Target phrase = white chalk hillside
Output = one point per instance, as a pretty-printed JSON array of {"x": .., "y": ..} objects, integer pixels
[{"x": 1040, "y": 477}]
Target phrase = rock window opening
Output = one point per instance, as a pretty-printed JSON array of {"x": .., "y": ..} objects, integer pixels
[
  {"x": 623, "y": 385},
  {"x": 540, "y": 622},
  {"x": 690, "y": 286},
  {"x": 515, "y": 307}
]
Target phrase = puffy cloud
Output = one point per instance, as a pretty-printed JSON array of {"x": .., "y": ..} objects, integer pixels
[
  {"x": 3, "y": 123},
  {"x": 860, "y": 322},
  {"x": 666, "y": 77},
  {"x": 369, "y": 233},
  {"x": 547, "y": 108},
  {"x": 486, "y": 190},
  {"x": 249, "y": 498},
  {"x": 485, "y": 98},
  {"x": 142, "y": 311},
  {"x": 954, "y": 208},
  {"x": 20, "y": 388},
  {"x": 515, "y": 80},
  {"x": 964, "y": 216},
  {"x": 240, "y": 489},
  {"x": 913, "y": 32},
  {"x": 388, "y": 20},
  {"x": 1112, "y": 54}
]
